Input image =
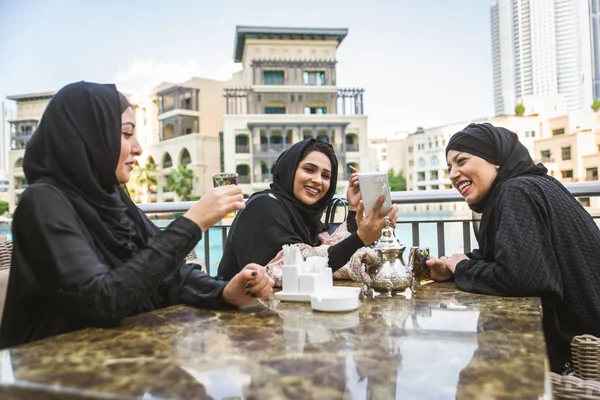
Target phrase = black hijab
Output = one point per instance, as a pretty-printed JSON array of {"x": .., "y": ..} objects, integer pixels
[
  {"x": 305, "y": 218},
  {"x": 77, "y": 147},
  {"x": 501, "y": 147}
]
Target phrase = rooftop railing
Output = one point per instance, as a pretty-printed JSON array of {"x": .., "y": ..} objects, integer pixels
[{"x": 579, "y": 190}]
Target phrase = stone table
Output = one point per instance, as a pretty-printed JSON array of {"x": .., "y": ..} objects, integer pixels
[{"x": 442, "y": 343}]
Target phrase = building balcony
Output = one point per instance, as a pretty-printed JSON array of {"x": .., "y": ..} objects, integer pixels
[
  {"x": 270, "y": 148},
  {"x": 176, "y": 97},
  {"x": 546, "y": 160},
  {"x": 242, "y": 149},
  {"x": 293, "y": 100}
]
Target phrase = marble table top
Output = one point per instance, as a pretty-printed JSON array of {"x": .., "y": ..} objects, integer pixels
[{"x": 442, "y": 343}]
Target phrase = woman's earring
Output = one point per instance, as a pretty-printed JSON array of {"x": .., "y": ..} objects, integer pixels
[{"x": 497, "y": 167}]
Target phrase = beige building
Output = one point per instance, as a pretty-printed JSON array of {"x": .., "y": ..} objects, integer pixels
[
  {"x": 568, "y": 145},
  {"x": 30, "y": 108},
  {"x": 178, "y": 124},
  {"x": 181, "y": 124},
  {"x": 287, "y": 91}
]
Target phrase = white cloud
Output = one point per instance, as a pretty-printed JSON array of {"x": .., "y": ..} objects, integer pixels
[{"x": 142, "y": 75}]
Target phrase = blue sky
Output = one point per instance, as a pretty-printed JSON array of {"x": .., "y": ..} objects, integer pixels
[{"x": 421, "y": 62}]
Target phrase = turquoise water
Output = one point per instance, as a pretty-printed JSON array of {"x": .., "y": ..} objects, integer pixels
[{"x": 427, "y": 235}]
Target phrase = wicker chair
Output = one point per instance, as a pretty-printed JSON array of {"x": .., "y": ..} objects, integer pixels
[
  {"x": 585, "y": 383},
  {"x": 6, "y": 248}
]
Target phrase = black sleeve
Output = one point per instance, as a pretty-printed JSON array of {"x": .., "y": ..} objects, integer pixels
[
  {"x": 524, "y": 262},
  {"x": 203, "y": 291},
  {"x": 351, "y": 222},
  {"x": 339, "y": 254},
  {"x": 84, "y": 285}
]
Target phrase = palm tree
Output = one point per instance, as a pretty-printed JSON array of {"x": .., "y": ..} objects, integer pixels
[
  {"x": 143, "y": 180},
  {"x": 181, "y": 181}
]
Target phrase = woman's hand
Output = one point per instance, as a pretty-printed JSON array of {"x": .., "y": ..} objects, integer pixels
[
  {"x": 443, "y": 268},
  {"x": 353, "y": 193},
  {"x": 215, "y": 205},
  {"x": 369, "y": 228},
  {"x": 250, "y": 283}
]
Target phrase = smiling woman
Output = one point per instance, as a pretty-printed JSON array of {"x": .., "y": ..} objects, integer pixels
[
  {"x": 535, "y": 239},
  {"x": 304, "y": 182}
]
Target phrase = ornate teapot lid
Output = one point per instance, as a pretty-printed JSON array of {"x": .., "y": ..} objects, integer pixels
[{"x": 388, "y": 241}]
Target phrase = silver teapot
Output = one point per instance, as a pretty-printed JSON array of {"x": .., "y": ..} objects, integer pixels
[{"x": 387, "y": 271}]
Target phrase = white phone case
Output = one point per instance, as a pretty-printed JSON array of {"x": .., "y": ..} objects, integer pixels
[{"x": 372, "y": 186}]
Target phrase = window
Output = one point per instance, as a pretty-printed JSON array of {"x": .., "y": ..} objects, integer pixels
[
  {"x": 274, "y": 110},
  {"x": 546, "y": 156},
  {"x": 420, "y": 187},
  {"x": 433, "y": 175},
  {"x": 273, "y": 77},
  {"x": 532, "y": 133},
  {"x": 591, "y": 174},
  {"x": 559, "y": 131},
  {"x": 429, "y": 144},
  {"x": 421, "y": 162},
  {"x": 313, "y": 78},
  {"x": 434, "y": 160},
  {"x": 420, "y": 176},
  {"x": 567, "y": 174},
  {"x": 526, "y": 133},
  {"x": 410, "y": 149},
  {"x": 315, "y": 110},
  {"x": 566, "y": 153},
  {"x": 411, "y": 163},
  {"x": 435, "y": 187}
]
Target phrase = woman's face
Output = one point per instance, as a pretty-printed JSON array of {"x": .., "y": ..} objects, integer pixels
[
  {"x": 130, "y": 147},
  {"x": 313, "y": 178},
  {"x": 472, "y": 176}
]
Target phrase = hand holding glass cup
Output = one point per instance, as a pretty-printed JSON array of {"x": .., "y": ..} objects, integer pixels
[{"x": 222, "y": 179}]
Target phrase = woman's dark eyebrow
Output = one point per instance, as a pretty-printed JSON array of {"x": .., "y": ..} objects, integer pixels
[{"x": 316, "y": 166}]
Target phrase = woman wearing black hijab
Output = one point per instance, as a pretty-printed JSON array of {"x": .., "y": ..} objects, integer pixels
[
  {"x": 304, "y": 182},
  {"x": 84, "y": 254},
  {"x": 534, "y": 238}
]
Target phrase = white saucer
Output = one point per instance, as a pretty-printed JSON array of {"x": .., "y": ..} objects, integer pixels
[
  {"x": 293, "y": 296},
  {"x": 339, "y": 299}
]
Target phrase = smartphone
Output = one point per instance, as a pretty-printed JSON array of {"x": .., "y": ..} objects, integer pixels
[{"x": 372, "y": 186}]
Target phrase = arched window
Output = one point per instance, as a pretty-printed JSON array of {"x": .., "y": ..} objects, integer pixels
[
  {"x": 435, "y": 160},
  {"x": 167, "y": 162},
  {"x": 421, "y": 162},
  {"x": 185, "y": 157},
  {"x": 351, "y": 142},
  {"x": 19, "y": 163},
  {"x": 150, "y": 160}
]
